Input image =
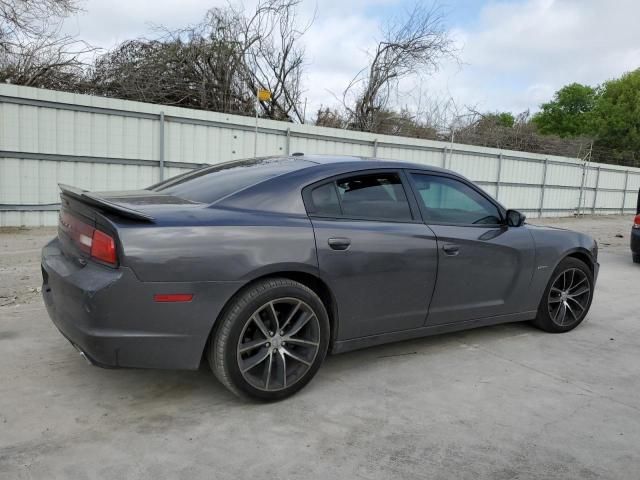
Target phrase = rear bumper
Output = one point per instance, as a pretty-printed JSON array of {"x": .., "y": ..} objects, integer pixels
[
  {"x": 635, "y": 241},
  {"x": 111, "y": 317}
]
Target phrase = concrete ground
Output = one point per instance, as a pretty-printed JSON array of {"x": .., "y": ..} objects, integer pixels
[{"x": 502, "y": 402}]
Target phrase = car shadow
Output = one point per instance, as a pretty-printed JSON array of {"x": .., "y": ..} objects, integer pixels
[
  {"x": 431, "y": 345},
  {"x": 150, "y": 390}
]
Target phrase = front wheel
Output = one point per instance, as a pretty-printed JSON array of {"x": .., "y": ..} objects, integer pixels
[
  {"x": 567, "y": 298},
  {"x": 271, "y": 340}
]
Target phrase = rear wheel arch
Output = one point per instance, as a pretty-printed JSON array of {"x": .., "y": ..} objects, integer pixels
[
  {"x": 320, "y": 288},
  {"x": 271, "y": 340},
  {"x": 313, "y": 282}
]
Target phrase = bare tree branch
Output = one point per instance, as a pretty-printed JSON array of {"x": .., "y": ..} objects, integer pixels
[
  {"x": 217, "y": 64},
  {"x": 410, "y": 46},
  {"x": 30, "y": 18},
  {"x": 33, "y": 51}
]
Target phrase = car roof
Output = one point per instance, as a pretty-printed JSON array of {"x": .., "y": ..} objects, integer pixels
[
  {"x": 360, "y": 162},
  {"x": 282, "y": 193}
]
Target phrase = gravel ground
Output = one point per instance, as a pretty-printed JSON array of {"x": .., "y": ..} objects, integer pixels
[
  {"x": 611, "y": 231},
  {"x": 20, "y": 278}
]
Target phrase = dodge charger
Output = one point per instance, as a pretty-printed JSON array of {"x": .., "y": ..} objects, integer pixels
[{"x": 261, "y": 267}]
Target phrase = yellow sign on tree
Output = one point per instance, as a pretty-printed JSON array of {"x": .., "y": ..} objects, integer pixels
[{"x": 264, "y": 95}]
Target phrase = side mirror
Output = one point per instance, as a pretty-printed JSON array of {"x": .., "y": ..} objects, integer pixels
[{"x": 515, "y": 218}]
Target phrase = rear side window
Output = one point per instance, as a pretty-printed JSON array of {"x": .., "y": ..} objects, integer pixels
[
  {"x": 371, "y": 196},
  {"x": 325, "y": 200},
  {"x": 209, "y": 184},
  {"x": 446, "y": 200}
]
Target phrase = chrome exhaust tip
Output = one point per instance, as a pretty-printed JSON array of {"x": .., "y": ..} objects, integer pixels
[{"x": 82, "y": 354}]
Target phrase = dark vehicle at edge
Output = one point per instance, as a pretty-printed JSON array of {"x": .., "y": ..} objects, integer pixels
[
  {"x": 635, "y": 234},
  {"x": 263, "y": 266}
]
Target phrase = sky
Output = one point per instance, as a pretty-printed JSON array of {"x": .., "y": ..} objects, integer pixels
[{"x": 512, "y": 54}]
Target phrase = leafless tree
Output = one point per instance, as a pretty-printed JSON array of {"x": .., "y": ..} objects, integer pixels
[
  {"x": 217, "y": 64},
  {"x": 49, "y": 61},
  {"x": 414, "y": 45},
  {"x": 196, "y": 67},
  {"x": 20, "y": 18},
  {"x": 33, "y": 51},
  {"x": 275, "y": 60}
]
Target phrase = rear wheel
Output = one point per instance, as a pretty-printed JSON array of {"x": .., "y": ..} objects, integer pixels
[
  {"x": 567, "y": 298},
  {"x": 271, "y": 340}
]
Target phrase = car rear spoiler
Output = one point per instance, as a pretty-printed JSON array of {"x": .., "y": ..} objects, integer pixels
[{"x": 89, "y": 198}]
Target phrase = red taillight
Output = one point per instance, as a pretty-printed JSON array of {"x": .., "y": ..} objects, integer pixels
[
  {"x": 78, "y": 231},
  {"x": 172, "y": 297},
  {"x": 91, "y": 241},
  {"x": 103, "y": 247},
  {"x": 636, "y": 221}
]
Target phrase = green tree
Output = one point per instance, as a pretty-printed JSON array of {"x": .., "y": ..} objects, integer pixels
[
  {"x": 570, "y": 113},
  {"x": 500, "y": 119},
  {"x": 617, "y": 113}
]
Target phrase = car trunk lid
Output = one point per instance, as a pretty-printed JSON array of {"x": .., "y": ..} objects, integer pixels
[
  {"x": 86, "y": 217},
  {"x": 132, "y": 204}
]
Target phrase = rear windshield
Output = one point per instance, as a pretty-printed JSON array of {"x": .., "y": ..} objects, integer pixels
[{"x": 209, "y": 184}]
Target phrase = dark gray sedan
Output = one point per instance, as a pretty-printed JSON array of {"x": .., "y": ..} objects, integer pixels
[{"x": 262, "y": 266}]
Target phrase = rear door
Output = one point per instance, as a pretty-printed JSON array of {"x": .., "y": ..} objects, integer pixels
[
  {"x": 374, "y": 252},
  {"x": 485, "y": 267}
]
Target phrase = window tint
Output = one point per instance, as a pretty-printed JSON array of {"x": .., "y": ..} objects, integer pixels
[
  {"x": 446, "y": 200},
  {"x": 325, "y": 200},
  {"x": 208, "y": 184},
  {"x": 374, "y": 196}
]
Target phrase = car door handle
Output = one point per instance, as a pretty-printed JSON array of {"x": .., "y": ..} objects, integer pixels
[
  {"x": 339, "y": 243},
  {"x": 451, "y": 249}
]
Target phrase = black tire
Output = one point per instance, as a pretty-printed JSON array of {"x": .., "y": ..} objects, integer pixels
[
  {"x": 636, "y": 258},
  {"x": 575, "y": 308},
  {"x": 265, "y": 300}
]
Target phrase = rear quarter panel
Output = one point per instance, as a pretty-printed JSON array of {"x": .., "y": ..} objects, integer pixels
[
  {"x": 211, "y": 253},
  {"x": 219, "y": 245}
]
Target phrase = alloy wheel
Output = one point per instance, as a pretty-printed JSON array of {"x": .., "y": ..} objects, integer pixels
[
  {"x": 569, "y": 297},
  {"x": 278, "y": 344}
]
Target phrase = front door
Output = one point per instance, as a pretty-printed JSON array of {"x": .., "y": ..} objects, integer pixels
[
  {"x": 485, "y": 267},
  {"x": 374, "y": 252}
]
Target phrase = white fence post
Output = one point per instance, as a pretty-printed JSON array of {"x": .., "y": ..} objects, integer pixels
[
  {"x": 499, "y": 176},
  {"x": 542, "y": 187},
  {"x": 595, "y": 192},
  {"x": 624, "y": 192},
  {"x": 288, "y": 146},
  {"x": 161, "y": 140},
  {"x": 584, "y": 170}
]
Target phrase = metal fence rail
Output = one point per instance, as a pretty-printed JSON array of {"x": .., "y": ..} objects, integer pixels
[{"x": 96, "y": 143}]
